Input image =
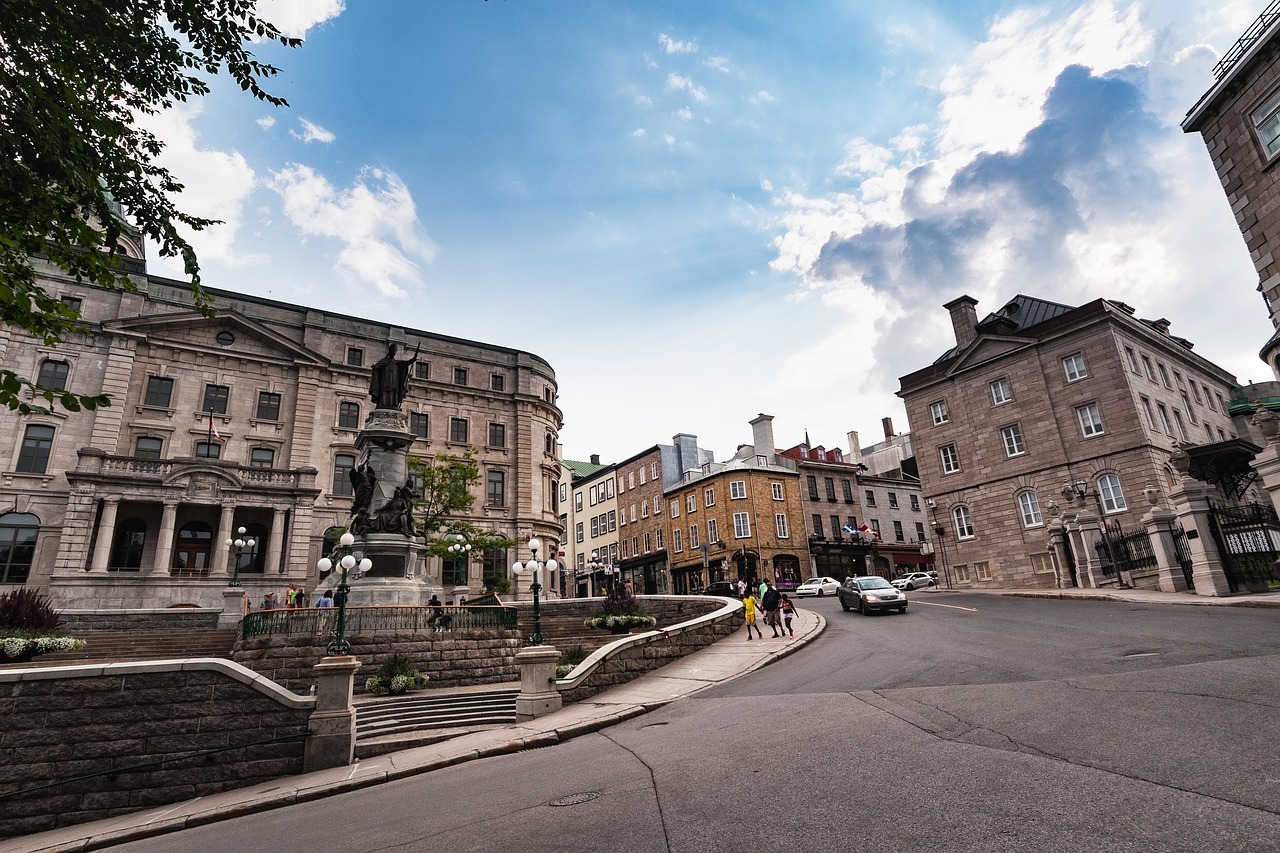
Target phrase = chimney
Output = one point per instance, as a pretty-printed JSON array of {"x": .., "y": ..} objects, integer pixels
[
  {"x": 964, "y": 319},
  {"x": 855, "y": 446},
  {"x": 686, "y": 452},
  {"x": 887, "y": 423},
  {"x": 595, "y": 458},
  {"x": 762, "y": 435}
]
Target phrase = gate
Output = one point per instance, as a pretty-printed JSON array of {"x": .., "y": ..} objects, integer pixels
[
  {"x": 1248, "y": 540},
  {"x": 1184, "y": 554},
  {"x": 1128, "y": 552}
]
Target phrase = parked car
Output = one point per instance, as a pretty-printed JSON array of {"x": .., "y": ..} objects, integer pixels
[
  {"x": 818, "y": 587},
  {"x": 870, "y": 594},
  {"x": 725, "y": 588},
  {"x": 913, "y": 580}
]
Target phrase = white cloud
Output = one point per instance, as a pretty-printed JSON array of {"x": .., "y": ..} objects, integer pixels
[
  {"x": 375, "y": 221},
  {"x": 312, "y": 133},
  {"x": 669, "y": 139},
  {"x": 295, "y": 18},
  {"x": 718, "y": 63},
  {"x": 684, "y": 114},
  {"x": 763, "y": 97},
  {"x": 638, "y": 132},
  {"x": 677, "y": 82},
  {"x": 266, "y": 122},
  {"x": 670, "y": 45}
]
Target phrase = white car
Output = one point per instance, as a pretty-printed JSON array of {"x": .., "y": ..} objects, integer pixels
[
  {"x": 913, "y": 580},
  {"x": 818, "y": 587}
]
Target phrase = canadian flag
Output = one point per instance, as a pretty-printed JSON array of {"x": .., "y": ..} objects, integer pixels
[
  {"x": 868, "y": 532},
  {"x": 213, "y": 430}
]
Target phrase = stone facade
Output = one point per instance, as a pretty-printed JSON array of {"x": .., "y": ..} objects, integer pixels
[
  {"x": 998, "y": 424},
  {"x": 246, "y": 418}
]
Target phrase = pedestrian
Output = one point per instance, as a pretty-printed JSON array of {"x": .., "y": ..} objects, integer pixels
[
  {"x": 761, "y": 590},
  {"x": 325, "y": 600},
  {"x": 742, "y": 587},
  {"x": 436, "y": 609},
  {"x": 749, "y": 614},
  {"x": 324, "y": 604},
  {"x": 291, "y": 597},
  {"x": 462, "y": 602},
  {"x": 788, "y": 613},
  {"x": 772, "y": 600}
]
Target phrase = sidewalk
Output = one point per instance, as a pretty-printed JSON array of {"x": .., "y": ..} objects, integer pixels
[
  {"x": 1145, "y": 596},
  {"x": 718, "y": 663}
]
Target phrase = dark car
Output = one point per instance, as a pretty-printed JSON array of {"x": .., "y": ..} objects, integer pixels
[
  {"x": 725, "y": 588},
  {"x": 870, "y": 594}
]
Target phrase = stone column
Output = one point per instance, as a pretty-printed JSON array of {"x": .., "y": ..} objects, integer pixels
[
  {"x": 538, "y": 692},
  {"x": 275, "y": 545},
  {"x": 106, "y": 533},
  {"x": 226, "y": 530},
  {"x": 1190, "y": 501},
  {"x": 1085, "y": 536},
  {"x": 164, "y": 545},
  {"x": 333, "y": 723},
  {"x": 1159, "y": 523}
]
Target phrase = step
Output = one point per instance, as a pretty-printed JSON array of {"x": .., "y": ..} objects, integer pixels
[{"x": 415, "y": 712}]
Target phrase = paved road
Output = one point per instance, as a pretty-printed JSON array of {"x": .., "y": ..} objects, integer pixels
[{"x": 973, "y": 723}]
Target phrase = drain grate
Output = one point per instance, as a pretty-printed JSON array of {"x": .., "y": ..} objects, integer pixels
[{"x": 576, "y": 799}]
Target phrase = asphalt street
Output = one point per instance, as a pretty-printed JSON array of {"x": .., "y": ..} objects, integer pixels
[{"x": 972, "y": 723}]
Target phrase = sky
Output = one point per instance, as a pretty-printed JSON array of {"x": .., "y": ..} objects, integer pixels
[{"x": 698, "y": 210}]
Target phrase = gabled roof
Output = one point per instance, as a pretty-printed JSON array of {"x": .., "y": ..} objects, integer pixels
[
  {"x": 583, "y": 469},
  {"x": 1019, "y": 313},
  {"x": 193, "y": 327}
]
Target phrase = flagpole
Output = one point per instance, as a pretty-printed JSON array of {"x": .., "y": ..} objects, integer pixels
[{"x": 209, "y": 440}]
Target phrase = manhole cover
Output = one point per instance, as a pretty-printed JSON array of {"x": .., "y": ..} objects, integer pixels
[{"x": 576, "y": 799}]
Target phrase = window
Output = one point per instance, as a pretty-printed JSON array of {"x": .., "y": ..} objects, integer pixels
[
  {"x": 776, "y": 489},
  {"x": 644, "y": 508},
  {"x": 812, "y": 483},
  {"x": 1090, "y": 420},
  {"x": 577, "y": 501},
  {"x": 690, "y": 503},
  {"x": 653, "y": 470},
  {"x": 148, "y": 447},
  {"x": 18, "y": 533},
  {"x": 1012, "y": 436},
  {"x": 1182, "y": 429},
  {"x": 693, "y": 536},
  {"x": 893, "y": 500},
  {"x": 1266, "y": 122},
  {"x": 1042, "y": 563},
  {"x": 915, "y": 503},
  {"x": 455, "y": 570},
  {"x": 1164, "y": 419},
  {"x": 875, "y": 527},
  {"x": 846, "y": 489},
  {"x": 919, "y": 531},
  {"x": 1208, "y": 396},
  {"x": 962, "y": 573},
  {"x": 72, "y": 302},
  {"x": 262, "y": 457},
  {"x": 1133, "y": 359},
  {"x": 1147, "y": 368},
  {"x": 709, "y": 495},
  {"x": 1001, "y": 392},
  {"x": 1148, "y": 411},
  {"x": 342, "y": 465},
  {"x": 459, "y": 376},
  {"x": 613, "y": 520},
  {"x": 647, "y": 547},
  {"x": 497, "y": 382},
  {"x": 817, "y": 526},
  {"x": 983, "y": 570},
  {"x": 675, "y": 509},
  {"x": 421, "y": 370},
  {"x": 420, "y": 424},
  {"x": 1112, "y": 496},
  {"x": 496, "y": 488},
  {"x": 129, "y": 538},
  {"x": 225, "y": 338},
  {"x": 208, "y": 450},
  {"x": 713, "y": 531},
  {"x": 677, "y": 540},
  {"x": 1195, "y": 392},
  {"x": 659, "y": 539},
  {"x": 950, "y": 461},
  {"x": 1164, "y": 374},
  {"x": 577, "y": 531},
  {"x": 215, "y": 399},
  {"x": 268, "y": 406},
  {"x": 1221, "y": 404},
  {"x": 355, "y": 357},
  {"x": 1029, "y": 506},
  {"x": 938, "y": 411},
  {"x": 1186, "y": 404},
  {"x": 459, "y": 430},
  {"x": 963, "y": 521},
  {"x": 737, "y": 490},
  {"x": 593, "y": 495},
  {"x": 160, "y": 392},
  {"x": 349, "y": 415},
  {"x": 497, "y": 435},
  {"x": 780, "y": 525},
  {"x": 741, "y": 525},
  {"x": 829, "y": 486},
  {"x": 53, "y": 375},
  {"x": 869, "y": 498},
  {"x": 33, "y": 458},
  {"x": 897, "y": 532},
  {"x": 1073, "y": 366}
]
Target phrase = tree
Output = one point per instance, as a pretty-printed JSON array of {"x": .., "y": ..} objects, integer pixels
[
  {"x": 446, "y": 492},
  {"x": 73, "y": 76}
]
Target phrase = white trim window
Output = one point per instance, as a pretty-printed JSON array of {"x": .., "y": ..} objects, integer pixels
[
  {"x": 938, "y": 411},
  {"x": 963, "y": 521},
  {"x": 1090, "y": 419},
  {"x": 1001, "y": 392},
  {"x": 644, "y": 508},
  {"x": 950, "y": 460},
  {"x": 677, "y": 542},
  {"x": 741, "y": 525},
  {"x": 710, "y": 496},
  {"x": 1073, "y": 366},
  {"x": 693, "y": 536},
  {"x": 1266, "y": 123},
  {"x": 690, "y": 503},
  {"x": 713, "y": 531},
  {"x": 777, "y": 491},
  {"x": 1013, "y": 445},
  {"x": 737, "y": 490},
  {"x": 780, "y": 523},
  {"x": 1112, "y": 496},
  {"x": 1029, "y": 507},
  {"x": 675, "y": 508}
]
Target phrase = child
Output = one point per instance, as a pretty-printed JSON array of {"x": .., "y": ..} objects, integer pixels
[
  {"x": 749, "y": 613},
  {"x": 788, "y": 611}
]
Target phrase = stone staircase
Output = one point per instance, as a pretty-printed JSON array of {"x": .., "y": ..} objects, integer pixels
[
  {"x": 113, "y": 646},
  {"x": 388, "y": 723}
]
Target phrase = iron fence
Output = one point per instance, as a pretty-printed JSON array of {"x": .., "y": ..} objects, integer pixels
[
  {"x": 319, "y": 620},
  {"x": 1130, "y": 552}
]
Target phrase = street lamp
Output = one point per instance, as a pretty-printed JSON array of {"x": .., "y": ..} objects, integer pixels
[
  {"x": 1081, "y": 490},
  {"x": 240, "y": 544},
  {"x": 347, "y": 562},
  {"x": 941, "y": 533},
  {"x": 459, "y": 549},
  {"x": 595, "y": 565},
  {"x": 533, "y": 564}
]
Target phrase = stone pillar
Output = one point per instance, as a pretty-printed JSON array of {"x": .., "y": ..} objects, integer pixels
[
  {"x": 1086, "y": 534},
  {"x": 232, "y": 607},
  {"x": 106, "y": 535},
  {"x": 1159, "y": 523},
  {"x": 226, "y": 530},
  {"x": 333, "y": 723},
  {"x": 1058, "y": 545},
  {"x": 1190, "y": 501},
  {"x": 538, "y": 692},
  {"x": 164, "y": 545},
  {"x": 275, "y": 545}
]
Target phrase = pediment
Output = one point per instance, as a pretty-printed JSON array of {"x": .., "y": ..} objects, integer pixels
[
  {"x": 193, "y": 330},
  {"x": 988, "y": 348}
]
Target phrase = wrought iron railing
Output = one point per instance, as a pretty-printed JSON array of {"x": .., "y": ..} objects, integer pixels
[
  {"x": 320, "y": 620},
  {"x": 1132, "y": 552}
]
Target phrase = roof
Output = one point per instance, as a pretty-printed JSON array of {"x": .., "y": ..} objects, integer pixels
[
  {"x": 1019, "y": 313},
  {"x": 1235, "y": 60},
  {"x": 583, "y": 469}
]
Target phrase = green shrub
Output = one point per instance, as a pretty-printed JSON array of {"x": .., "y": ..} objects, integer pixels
[{"x": 396, "y": 675}]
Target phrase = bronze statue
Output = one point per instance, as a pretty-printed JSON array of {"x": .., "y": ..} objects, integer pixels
[
  {"x": 390, "y": 382},
  {"x": 397, "y": 515},
  {"x": 363, "y": 482}
]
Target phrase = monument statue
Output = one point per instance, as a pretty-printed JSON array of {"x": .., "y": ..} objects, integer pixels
[
  {"x": 363, "y": 482},
  {"x": 390, "y": 382},
  {"x": 397, "y": 515}
]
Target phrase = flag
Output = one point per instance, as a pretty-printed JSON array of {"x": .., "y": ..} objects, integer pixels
[
  {"x": 868, "y": 533},
  {"x": 848, "y": 528},
  {"x": 214, "y": 435}
]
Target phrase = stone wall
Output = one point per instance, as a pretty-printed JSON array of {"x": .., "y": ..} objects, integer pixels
[
  {"x": 667, "y": 609},
  {"x": 165, "y": 732},
  {"x": 78, "y": 622},
  {"x": 450, "y": 659}
]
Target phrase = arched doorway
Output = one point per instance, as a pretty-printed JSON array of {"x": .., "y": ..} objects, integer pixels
[
  {"x": 747, "y": 564},
  {"x": 195, "y": 544}
]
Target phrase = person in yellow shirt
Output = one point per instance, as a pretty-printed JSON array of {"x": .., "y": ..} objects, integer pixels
[{"x": 749, "y": 607}]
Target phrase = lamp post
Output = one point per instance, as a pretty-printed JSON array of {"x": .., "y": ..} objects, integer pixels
[
  {"x": 1081, "y": 490},
  {"x": 459, "y": 549},
  {"x": 941, "y": 533},
  {"x": 347, "y": 562},
  {"x": 595, "y": 565},
  {"x": 533, "y": 564},
  {"x": 240, "y": 543}
]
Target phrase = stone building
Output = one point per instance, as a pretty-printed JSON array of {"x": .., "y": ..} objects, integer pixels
[
  {"x": 592, "y": 540},
  {"x": 1039, "y": 396},
  {"x": 247, "y": 418}
]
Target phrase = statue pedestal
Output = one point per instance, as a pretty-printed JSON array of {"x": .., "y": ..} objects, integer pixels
[
  {"x": 384, "y": 443},
  {"x": 395, "y": 579}
]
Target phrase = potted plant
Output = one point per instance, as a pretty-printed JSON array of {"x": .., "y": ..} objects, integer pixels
[
  {"x": 620, "y": 612},
  {"x": 396, "y": 675},
  {"x": 29, "y": 627}
]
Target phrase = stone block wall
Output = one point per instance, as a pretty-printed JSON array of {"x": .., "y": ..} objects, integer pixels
[
  {"x": 78, "y": 622},
  {"x": 117, "y": 738}
]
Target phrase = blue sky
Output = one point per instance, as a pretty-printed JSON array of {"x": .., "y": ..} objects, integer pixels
[{"x": 698, "y": 211}]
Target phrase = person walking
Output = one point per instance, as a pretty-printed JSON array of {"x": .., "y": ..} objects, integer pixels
[
  {"x": 771, "y": 600},
  {"x": 788, "y": 613},
  {"x": 749, "y": 614},
  {"x": 742, "y": 587}
]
